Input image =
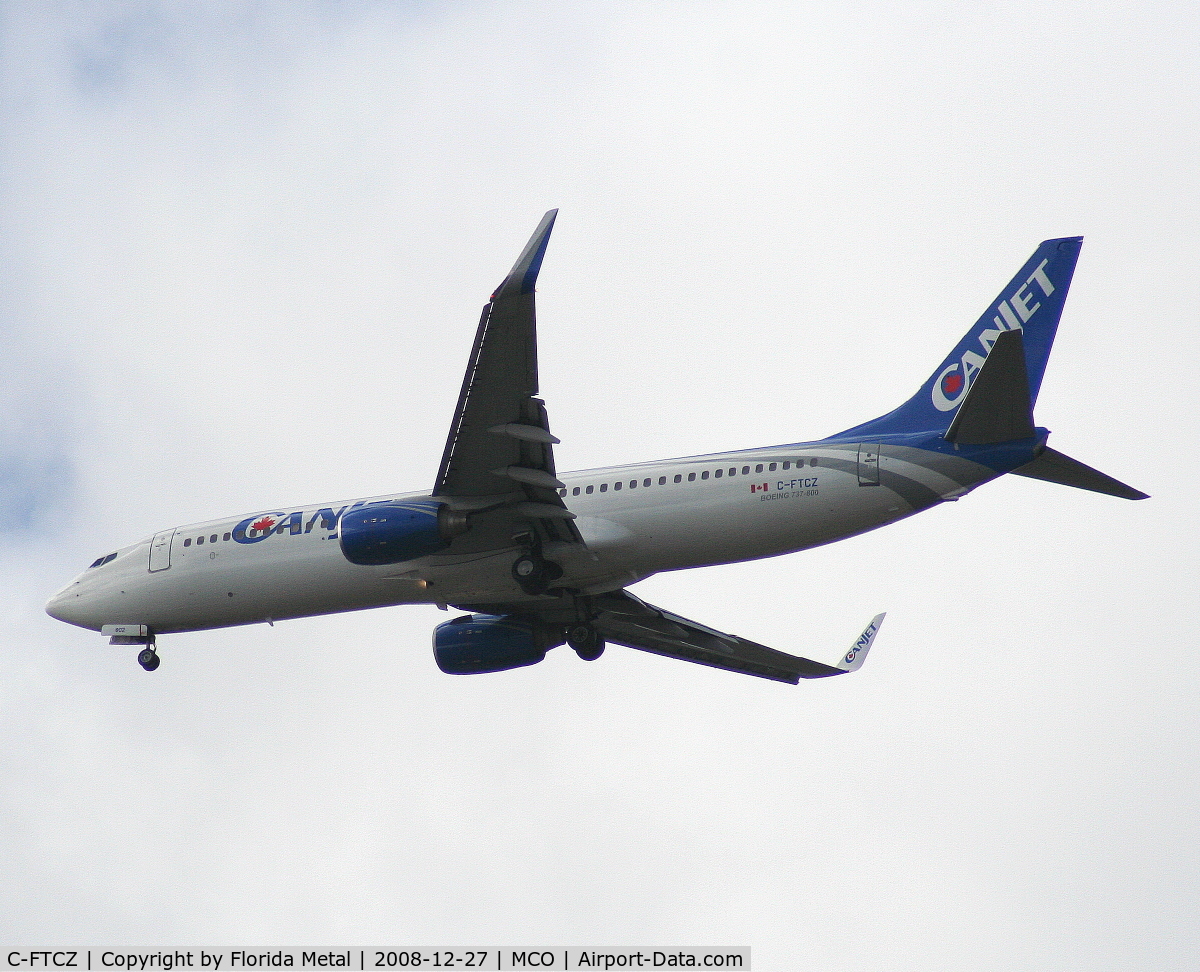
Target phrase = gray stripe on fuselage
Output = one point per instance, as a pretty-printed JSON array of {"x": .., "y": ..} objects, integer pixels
[{"x": 918, "y": 495}]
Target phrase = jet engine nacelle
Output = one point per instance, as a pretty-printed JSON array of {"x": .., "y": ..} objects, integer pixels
[
  {"x": 390, "y": 533},
  {"x": 477, "y": 643}
]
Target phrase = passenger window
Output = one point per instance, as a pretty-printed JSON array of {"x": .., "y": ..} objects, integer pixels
[
  {"x": 616, "y": 486},
  {"x": 813, "y": 461},
  {"x": 633, "y": 484},
  {"x": 662, "y": 480},
  {"x": 733, "y": 471},
  {"x": 199, "y": 540},
  {"x": 563, "y": 491},
  {"x": 226, "y": 537},
  {"x": 645, "y": 483},
  {"x": 589, "y": 490},
  {"x": 187, "y": 542},
  {"x": 704, "y": 475},
  {"x": 787, "y": 465},
  {"x": 213, "y": 538},
  {"x": 692, "y": 477},
  {"x": 718, "y": 474},
  {"x": 575, "y": 491},
  {"x": 745, "y": 470},
  {"x": 758, "y": 468},
  {"x": 771, "y": 468},
  {"x": 678, "y": 478},
  {"x": 604, "y": 487}
]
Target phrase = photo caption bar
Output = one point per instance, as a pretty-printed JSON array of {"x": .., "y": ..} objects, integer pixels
[{"x": 486, "y": 958}]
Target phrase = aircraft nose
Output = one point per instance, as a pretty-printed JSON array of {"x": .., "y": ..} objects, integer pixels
[{"x": 71, "y": 607}]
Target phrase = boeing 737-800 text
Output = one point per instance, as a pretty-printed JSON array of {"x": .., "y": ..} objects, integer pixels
[{"x": 540, "y": 558}]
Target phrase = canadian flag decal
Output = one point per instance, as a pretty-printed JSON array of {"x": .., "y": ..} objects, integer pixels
[{"x": 758, "y": 487}]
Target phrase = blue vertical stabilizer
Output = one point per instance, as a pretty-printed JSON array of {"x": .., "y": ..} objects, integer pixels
[{"x": 1032, "y": 303}]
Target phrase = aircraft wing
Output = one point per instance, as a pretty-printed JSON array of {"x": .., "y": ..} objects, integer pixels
[
  {"x": 626, "y": 620},
  {"x": 499, "y": 459}
]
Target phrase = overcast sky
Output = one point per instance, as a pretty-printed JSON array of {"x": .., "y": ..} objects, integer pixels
[{"x": 243, "y": 248}]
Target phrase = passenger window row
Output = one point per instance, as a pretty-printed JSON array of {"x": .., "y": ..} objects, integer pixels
[
  {"x": 588, "y": 490},
  {"x": 691, "y": 477},
  {"x": 200, "y": 540}
]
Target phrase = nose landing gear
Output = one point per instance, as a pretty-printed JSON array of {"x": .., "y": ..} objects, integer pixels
[{"x": 134, "y": 634}]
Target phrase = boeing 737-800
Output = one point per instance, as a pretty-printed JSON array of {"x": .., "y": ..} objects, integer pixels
[{"x": 540, "y": 558}]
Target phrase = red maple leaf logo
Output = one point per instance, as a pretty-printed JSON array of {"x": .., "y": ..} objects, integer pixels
[{"x": 263, "y": 525}]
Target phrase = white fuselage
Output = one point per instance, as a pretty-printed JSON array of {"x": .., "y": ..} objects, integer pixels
[{"x": 635, "y": 520}]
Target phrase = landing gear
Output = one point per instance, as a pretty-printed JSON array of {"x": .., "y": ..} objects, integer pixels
[
  {"x": 587, "y": 644},
  {"x": 148, "y": 658},
  {"x": 534, "y": 574}
]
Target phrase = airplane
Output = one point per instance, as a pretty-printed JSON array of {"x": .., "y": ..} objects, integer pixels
[{"x": 540, "y": 559}]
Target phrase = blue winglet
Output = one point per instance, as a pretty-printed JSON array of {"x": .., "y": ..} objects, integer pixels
[{"x": 523, "y": 276}]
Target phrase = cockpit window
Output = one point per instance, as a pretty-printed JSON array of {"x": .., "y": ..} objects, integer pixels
[{"x": 101, "y": 561}]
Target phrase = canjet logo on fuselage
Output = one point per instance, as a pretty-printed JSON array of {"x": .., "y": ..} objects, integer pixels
[
  {"x": 950, "y": 387},
  {"x": 255, "y": 529}
]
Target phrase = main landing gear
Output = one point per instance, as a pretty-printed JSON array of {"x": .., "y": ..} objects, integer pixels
[
  {"x": 587, "y": 643},
  {"x": 534, "y": 574}
]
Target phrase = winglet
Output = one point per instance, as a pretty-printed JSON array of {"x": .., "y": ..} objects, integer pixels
[
  {"x": 853, "y": 659},
  {"x": 523, "y": 275}
]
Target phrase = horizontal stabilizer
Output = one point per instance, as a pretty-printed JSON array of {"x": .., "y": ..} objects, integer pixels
[
  {"x": 626, "y": 620},
  {"x": 1054, "y": 467},
  {"x": 997, "y": 407}
]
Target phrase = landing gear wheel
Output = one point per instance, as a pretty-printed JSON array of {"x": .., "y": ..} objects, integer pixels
[
  {"x": 534, "y": 574},
  {"x": 587, "y": 644},
  {"x": 148, "y": 659},
  {"x": 526, "y": 567}
]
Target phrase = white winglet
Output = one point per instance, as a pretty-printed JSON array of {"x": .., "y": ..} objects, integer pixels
[{"x": 853, "y": 659}]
